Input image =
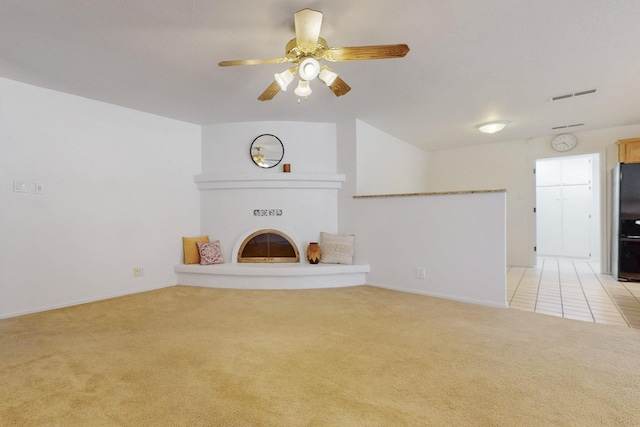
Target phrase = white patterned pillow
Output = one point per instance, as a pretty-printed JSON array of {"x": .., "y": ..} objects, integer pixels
[
  {"x": 336, "y": 248},
  {"x": 210, "y": 253}
]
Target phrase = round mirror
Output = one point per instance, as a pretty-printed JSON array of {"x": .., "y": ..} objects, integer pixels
[{"x": 266, "y": 151}]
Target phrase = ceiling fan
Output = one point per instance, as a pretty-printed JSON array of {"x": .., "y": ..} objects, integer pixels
[{"x": 306, "y": 50}]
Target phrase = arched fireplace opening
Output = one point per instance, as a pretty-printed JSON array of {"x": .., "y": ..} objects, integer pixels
[{"x": 268, "y": 246}]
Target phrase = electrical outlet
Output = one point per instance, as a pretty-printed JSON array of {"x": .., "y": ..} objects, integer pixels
[
  {"x": 421, "y": 273},
  {"x": 138, "y": 271}
]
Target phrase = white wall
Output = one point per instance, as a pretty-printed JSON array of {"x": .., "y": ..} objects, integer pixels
[
  {"x": 118, "y": 194},
  {"x": 347, "y": 164},
  {"x": 308, "y": 147},
  {"x": 388, "y": 165},
  {"x": 459, "y": 239},
  {"x": 509, "y": 165}
]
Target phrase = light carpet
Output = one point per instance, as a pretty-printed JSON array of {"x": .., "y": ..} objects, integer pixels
[{"x": 358, "y": 356}]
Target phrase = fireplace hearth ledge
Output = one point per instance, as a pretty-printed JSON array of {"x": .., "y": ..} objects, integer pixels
[
  {"x": 214, "y": 181},
  {"x": 271, "y": 276}
]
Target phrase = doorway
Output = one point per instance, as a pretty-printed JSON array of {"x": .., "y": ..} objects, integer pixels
[{"x": 568, "y": 207}]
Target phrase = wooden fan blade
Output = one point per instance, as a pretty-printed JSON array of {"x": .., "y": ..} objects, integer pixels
[
  {"x": 270, "y": 92},
  {"x": 339, "y": 87},
  {"x": 360, "y": 53},
  {"x": 252, "y": 62},
  {"x": 308, "y": 23}
]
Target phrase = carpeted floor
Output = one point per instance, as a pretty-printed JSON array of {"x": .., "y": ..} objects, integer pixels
[{"x": 358, "y": 356}]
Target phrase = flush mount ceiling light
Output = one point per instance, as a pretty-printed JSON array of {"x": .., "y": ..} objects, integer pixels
[
  {"x": 492, "y": 127},
  {"x": 305, "y": 52}
]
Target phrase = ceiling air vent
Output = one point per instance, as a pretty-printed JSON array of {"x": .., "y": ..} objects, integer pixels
[
  {"x": 567, "y": 126},
  {"x": 585, "y": 92},
  {"x": 559, "y": 97},
  {"x": 571, "y": 95}
]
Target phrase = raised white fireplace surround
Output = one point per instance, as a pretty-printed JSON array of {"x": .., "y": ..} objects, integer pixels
[
  {"x": 272, "y": 276},
  {"x": 234, "y": 205}
]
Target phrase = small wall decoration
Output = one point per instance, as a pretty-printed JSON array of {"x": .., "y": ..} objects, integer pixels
[{"x": 267, "y": 212}]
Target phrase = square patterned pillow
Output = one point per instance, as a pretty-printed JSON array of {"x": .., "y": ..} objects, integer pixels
[
  {"x": 191, "y": 253},
  {"x": 336, "y": 248},
  {"x": 210, "y": 253}
]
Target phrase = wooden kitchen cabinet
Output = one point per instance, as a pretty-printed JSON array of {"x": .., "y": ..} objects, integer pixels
[{"x": 629, "y": 150}]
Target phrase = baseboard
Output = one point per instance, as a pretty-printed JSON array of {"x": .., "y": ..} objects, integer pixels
[
  {"x": 79, "y": 302},
  {"x": 443, "y": 296}
]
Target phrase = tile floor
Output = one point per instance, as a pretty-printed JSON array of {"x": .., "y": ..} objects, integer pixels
[{"x": 574, "y": 290}]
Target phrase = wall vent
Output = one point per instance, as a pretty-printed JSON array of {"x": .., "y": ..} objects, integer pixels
[
  {"x": 571, "y": 95},
  {"x": 567, "y": 126},
  {"x": 585, "y": 92},
  {"x": 559, "y": 97}
]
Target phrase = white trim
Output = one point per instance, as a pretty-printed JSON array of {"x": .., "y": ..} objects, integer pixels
[
  {"x": 103, "y": 297},
  {"x": 437, "y": 295},
  {"x": 269, "y": 180}
]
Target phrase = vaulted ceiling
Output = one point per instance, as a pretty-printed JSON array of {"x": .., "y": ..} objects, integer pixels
[{"x": 471, "y": 61}]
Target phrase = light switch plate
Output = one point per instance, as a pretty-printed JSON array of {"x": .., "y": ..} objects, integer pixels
[{"x": 20, "y": 187}]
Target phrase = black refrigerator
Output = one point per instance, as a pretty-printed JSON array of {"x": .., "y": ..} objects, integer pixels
[{"x": 625, "y": 247}]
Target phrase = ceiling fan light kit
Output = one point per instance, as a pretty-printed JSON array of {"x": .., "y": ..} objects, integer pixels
[
  {"x": 327, "y": 76},
  {"x": 284, "y": 78},
  {"x": 309, "y": 69},
  {"x": 306, "y": 51},
  {"x": 492, "y": 127},
  {"x": 303, "y": 88}
]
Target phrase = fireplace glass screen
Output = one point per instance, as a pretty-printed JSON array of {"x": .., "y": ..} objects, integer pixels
[{"x": 268, "y": 246}]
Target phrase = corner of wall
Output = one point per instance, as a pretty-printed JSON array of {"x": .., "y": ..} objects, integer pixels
[{"x": 347, "y": 164}]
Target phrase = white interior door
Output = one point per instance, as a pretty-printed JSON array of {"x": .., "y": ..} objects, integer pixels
[
  {"x": 576, "y": 221},
  {"x": 549, "y": 209}
]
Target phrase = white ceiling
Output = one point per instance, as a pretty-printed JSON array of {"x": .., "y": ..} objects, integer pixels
[{"x": 471, "y": 61}]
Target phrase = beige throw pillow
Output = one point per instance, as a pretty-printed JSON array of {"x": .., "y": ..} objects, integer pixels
[{"x": 336, "y": 248}]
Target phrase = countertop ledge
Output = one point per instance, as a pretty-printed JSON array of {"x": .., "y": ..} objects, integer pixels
[{"x": 437, "y": 193}]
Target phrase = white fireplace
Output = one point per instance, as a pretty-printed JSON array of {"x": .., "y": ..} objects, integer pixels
[{"x": 233, "y": 206}]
